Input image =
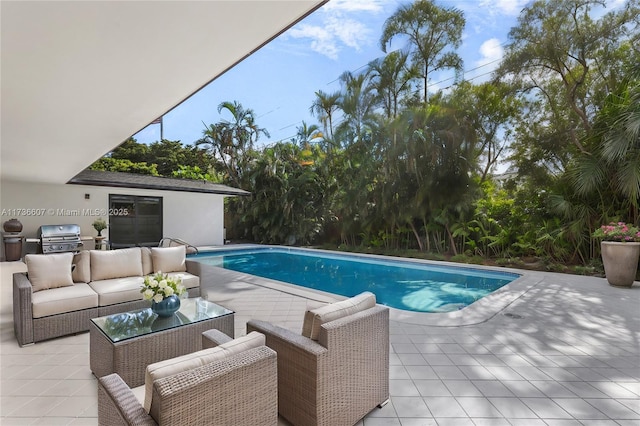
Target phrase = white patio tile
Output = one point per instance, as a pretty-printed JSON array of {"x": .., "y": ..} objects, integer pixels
[
  {"x": 491, "y": 388},
  {"x": 546, "y": 408},
  {"x": 580, "y": 409},
  {"x": 512, "y": 408},
  {"x": 491, "y": 422},
  {"x": 522, "y": 388},
  {"x": 462, "y": 388},
  {"x": 613, "y": 409},
  {"x": 429, "y": 388},
  {"x": 503, "y": 373},
  {"x": 412, "y": 359},
  {"x": 476, "y": 372},
  {"x": 583, "y": 390},
  {"x": 443, "y": 406},
  {"x": 448, "y": 372},
  {"x": 398, "y": 372},
  {"x": 421, "y": 372},
  {"x": 478, "y": 407},
  {"x": 562, "y": 422},
  {"x": 437, "y": 359},
  {"x": 567, "y": 372},
  {"x": 418, "y": 422},
  {"x": 527, "y": 422},
  {"x": 410, "y": 406},
  {"x": 613, "y": 390},
  {"x": 381, "y": 421},
  {"x": 403, "y": 388}
]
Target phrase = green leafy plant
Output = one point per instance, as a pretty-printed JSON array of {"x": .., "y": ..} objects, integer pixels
[
  {"x": 618, "y": 231},
  {"x": 99, "y": 225},
  {"x": 159, "y": 286}
]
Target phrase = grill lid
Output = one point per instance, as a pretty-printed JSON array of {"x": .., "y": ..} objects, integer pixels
[{"x": 57, "y": 231}]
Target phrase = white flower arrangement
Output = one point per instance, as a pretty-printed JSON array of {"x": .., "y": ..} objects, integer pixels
[{"x": 159, "y": 286}]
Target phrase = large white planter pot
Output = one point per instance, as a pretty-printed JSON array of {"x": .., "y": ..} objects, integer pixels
[{"x": 620, "y": 262}]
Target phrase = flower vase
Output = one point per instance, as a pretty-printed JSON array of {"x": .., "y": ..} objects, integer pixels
[
  {"x": 167, "y": 307},
  {"x": 620, "y": 260}
]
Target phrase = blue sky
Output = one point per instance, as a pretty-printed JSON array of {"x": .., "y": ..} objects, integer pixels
[{"x": 279, "y": 81}]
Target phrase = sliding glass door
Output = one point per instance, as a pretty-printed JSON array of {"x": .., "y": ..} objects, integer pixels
[{"x": 134, "y": 221}]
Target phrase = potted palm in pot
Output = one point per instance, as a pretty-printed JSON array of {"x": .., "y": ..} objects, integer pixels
[{"x": 620, "y": 249}]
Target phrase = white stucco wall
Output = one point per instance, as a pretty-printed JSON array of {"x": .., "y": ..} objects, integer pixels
[{"x": 194, "y": 217}]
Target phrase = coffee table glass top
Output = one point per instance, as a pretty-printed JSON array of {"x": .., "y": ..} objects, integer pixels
[{"x": 127, "y": 325}]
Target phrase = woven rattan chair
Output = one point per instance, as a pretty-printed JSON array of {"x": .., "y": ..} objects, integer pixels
[
  {"x": 239, "y": 390},
  {"x": 340, "y": 377}
]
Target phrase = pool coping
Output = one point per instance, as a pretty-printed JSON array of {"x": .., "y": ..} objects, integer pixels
[{"x": 476, "y": 313}]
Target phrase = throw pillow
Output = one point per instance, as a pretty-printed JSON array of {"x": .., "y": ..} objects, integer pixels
[
  {"x": 169, "y": 259},
  {"x": 314, "y": 319},
  {"x": 47, "y": 271}
]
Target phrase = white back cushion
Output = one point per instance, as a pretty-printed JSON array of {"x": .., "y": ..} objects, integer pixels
[
  {"x": 47, "y": 271},
  {"x": 169, "y": 259},
  {"x": 193, "y": 360},
  {"x": 315, "y": 318},
  {"x": 109, "y": 264}
]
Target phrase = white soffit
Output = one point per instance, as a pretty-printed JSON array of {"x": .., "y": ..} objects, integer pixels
[{"x": 79, "y": 77}]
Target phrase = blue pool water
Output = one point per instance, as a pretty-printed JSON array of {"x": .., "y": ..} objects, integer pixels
[{"x": 399, "y": 284}]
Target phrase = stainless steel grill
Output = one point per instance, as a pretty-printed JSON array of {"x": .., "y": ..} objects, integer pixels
[{"x": 59, "y": 238}]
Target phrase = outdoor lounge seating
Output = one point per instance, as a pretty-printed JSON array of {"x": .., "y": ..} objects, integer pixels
[
  {"x": 59, "y": 293},
  {"x": 337, "y": 371},
  {"x": 232, "y": 383}
]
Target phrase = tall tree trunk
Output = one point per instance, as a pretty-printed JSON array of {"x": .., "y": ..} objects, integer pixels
[
  {"x": 451, "y": 240},
  {"x": 417, "y": 235}
]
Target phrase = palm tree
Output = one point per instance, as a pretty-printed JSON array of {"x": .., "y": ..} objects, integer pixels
[
  {"x": 357, "y": 102},
  {"x": 231, "y": 140},
  {"x": 431, "y": 30},
  {"x": 614, "y": 170},
  {"x": 391, "y": 76},
  {"x": 307, "y": 134},
  {"x": 324, "y": 107}
]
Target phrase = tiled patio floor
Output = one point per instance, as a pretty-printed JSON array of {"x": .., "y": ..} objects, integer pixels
[{"x": 565, "y": 352}]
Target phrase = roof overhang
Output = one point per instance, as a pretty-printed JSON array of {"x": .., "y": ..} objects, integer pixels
[
  {"x": 79, "y": 78},
  {"x": 132, "y": 180}
]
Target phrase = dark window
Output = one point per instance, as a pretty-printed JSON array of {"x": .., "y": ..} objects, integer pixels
[{"x": 134, "y": 221}]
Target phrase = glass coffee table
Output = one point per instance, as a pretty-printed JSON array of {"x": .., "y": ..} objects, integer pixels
[{"x": 127, "y": 342}]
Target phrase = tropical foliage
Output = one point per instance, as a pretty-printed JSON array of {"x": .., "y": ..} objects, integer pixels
[{"x": 391, "y": 164}]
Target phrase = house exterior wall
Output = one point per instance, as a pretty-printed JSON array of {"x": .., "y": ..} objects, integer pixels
[{"x": 194, "y": 217}]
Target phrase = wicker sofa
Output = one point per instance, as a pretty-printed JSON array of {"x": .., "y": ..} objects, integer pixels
[
  {"x": 231, "y": 382},
  {"x": 59, "y": 293},
  {"x": 337, "y": 371}
]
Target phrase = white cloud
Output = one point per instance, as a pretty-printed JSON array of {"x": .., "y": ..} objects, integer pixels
[
  {"x": 374, "y": 6},
  {"x": 491, "y": 50},
  {"x": 504, "y": 7},
  {"x": 339, "y": 24}
]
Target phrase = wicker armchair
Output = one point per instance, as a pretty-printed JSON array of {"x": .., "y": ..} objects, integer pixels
[
  {"x": 337, "y": 379},
  {"x": 240, "y": 389}
]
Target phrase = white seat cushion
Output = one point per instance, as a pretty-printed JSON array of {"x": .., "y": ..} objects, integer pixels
[
  {"x": 314, "y": 319},
  {"x": 193, "y": 360},
  {"x": 138, "y": 392},
  {"x": 117, "y": 290},
  {"x": 63, "y": 299},
  {"x": 188, "y": 280}
]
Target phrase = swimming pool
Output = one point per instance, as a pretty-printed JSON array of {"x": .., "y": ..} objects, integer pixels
[{"x": 400, "y": 284}]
